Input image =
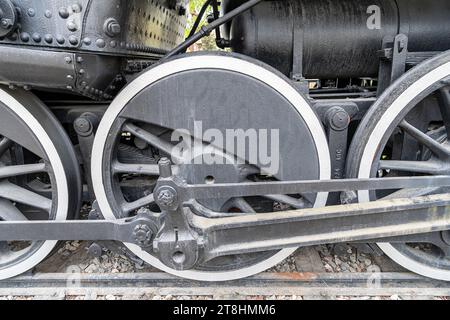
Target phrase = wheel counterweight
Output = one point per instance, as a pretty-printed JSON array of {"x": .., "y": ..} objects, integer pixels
[{"x": 211, "y": 94}]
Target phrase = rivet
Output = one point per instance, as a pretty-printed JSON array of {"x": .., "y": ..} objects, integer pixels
[
  {"x": 76, "y": 8},
  {"x": 113, "y": 44},
  {"x": 31, "y": 12},
  {"x": 64, "y": 13},
  {"x": 68, "y": 60},
  {"x": 80, "y": 59},
  {"x": 100, "y": 43},
  {"x": 60, "y": 39},
  {"x": 87, "y": 41},
  {"x": 69, "y": 77},
  {"x": 37, "y": 37},
  {"x": 25, "y": 37},
  {"x": 73, "y": 40},
  {"x": 48, "y": 38},
  {"x": 48, "y": 14},
  {"x": 72, "y": 26}
]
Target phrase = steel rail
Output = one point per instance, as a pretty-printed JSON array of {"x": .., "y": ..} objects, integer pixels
[{"x": 134, "y": 285}]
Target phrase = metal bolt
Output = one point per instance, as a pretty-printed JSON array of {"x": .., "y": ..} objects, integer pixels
[
  {"x": 95, "y": 250},
  {"x": 143, "y": 235},
  {"x": 165, "y": 168},
  {"x": 166, "y": 198},
  {"x": 6, "y": 23},
  {"x": 338, "y": 118},
  {"x": 112, "y": 27},
  {"x": 82, "y": 125}
]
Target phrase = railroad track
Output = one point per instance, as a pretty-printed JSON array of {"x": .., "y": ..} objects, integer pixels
[{"x": 266, "y": 284}]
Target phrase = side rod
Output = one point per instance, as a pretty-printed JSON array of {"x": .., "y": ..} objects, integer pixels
[
  {"x": 248, "y": 189},
  {"x": 345, "y": 223},
  {"x": 260, "y": 232},
  {"x": 123, "y": 230}
]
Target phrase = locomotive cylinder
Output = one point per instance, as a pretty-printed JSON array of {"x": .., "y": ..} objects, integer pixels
[{"x": 336, "y": 38}]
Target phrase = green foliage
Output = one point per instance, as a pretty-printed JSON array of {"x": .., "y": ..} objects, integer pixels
[{"x": 207, "y": 43}]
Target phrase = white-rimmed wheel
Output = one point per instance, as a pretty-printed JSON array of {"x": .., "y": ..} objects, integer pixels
[
  {"x": 205, "y": 95},
  {"x": 406, "y": 133},
  {"x": 39, "y": 175}
]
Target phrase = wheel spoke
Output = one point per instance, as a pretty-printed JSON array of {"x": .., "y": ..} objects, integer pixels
[
  {"x": 5, "y": 144},
  {"x": 445, "y": 248},
  {"x": 144, "y": 169},
  {"x": 20, "y": 170},
  {"x": 429, "y": 167},
  {"x": 4, "y": 249},
  {"x": 291, "y": 201},
  {"x": 426, "y": 140},
  {"x": 18, "y": 194},
  {"x": 444, "y": 105},
  {"x": 128, "y": 207},
  {"x": 152, "y": 139},
  {"x": 411, "y": 193},
  {"x": 248, "y": 170},
  {"x": 243, "y": 205},
  {"x": 9, "y": 212}
]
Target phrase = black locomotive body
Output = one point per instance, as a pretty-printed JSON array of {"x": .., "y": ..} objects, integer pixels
[
  {"x": 84, "y": 46},
  {"x": 347, "y": 103}
]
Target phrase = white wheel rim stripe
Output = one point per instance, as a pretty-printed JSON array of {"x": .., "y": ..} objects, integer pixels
[
  {"x": 371, "y": 150},
  {"x": 60, "y": 177}
]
